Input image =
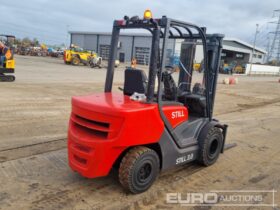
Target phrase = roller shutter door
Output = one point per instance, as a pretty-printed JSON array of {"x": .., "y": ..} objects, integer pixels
[
  {"x": 104, "y": 51},
  {"x": 142, "y": 55}
]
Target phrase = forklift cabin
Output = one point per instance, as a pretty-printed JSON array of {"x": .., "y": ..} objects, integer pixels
[{"x": 171, "y": 125}]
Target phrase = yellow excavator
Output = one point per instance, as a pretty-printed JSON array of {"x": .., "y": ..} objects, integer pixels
[{"x": 7, "y": 60}]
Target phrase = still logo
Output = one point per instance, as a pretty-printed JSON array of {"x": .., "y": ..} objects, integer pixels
[{"x": 177, "y": 114}]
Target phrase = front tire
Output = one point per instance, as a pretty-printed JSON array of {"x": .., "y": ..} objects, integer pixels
[
  {"x": 76, "y": 61},
  {"x": 138, "y": 170},
  {"x": 210, "y": 147}
]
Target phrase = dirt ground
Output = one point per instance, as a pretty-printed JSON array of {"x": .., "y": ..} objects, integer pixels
[{"x": 34, "y": 172}]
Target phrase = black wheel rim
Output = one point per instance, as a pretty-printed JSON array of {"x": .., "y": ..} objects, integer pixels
[
  {"x": 144, "y": 173},
  {"x": 213, "y": 148}
]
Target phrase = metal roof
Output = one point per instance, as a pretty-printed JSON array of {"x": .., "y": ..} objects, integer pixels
[
  {"x": 244, "y": 44},
  {"x": 8, "y": 35},
  {"x": 109, "y": 33}
]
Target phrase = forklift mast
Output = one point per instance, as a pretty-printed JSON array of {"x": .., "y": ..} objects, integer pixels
[{"x": 213, "y": 51}]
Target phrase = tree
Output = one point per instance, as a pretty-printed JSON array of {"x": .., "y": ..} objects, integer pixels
[{"x": 35, "y": 42}]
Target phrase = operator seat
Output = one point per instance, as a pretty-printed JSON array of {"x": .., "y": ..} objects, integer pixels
[
  {"x": 195, "y": 101},
  {"x": 135, "y": 80}
]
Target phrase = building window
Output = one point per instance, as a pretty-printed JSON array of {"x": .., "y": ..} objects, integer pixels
[
  {"x": 260, "y": 56},
  {"x": 255, "y": 55},
  {"x": 119, "y": 45}
]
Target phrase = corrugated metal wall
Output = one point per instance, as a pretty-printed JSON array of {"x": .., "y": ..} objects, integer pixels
[
  {"x": 90, "y": 42},
  {"x": 77, "y": 39},
  {"x": 125, "y": 47},
  {"x": 100, "y": 44}
]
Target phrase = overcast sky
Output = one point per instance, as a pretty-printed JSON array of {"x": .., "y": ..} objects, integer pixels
[{"x": 49, "y": 20}]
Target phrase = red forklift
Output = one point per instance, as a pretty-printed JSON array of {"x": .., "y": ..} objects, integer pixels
[{"x": 142, "y": 130}]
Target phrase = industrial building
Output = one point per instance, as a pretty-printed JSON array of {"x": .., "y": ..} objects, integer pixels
[
  {"x": 235, "y": 49},
  {"x": 138, "y": 46}
]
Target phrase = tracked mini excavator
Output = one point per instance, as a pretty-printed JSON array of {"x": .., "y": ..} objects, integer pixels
[
  {"x": 7, "y": 66},
  {"x": 143, "y": 129}
]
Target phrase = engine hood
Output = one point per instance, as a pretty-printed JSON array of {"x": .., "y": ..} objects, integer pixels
[{"x": 110, "y": 103}]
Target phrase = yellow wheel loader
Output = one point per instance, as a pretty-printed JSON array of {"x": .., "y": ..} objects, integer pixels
[{"x": 77, "y": 56}]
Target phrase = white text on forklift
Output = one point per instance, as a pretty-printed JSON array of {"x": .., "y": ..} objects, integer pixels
[{"x": 177, "y": 114}]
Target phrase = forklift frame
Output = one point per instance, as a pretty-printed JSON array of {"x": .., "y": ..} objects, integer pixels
[{"x": 109, "y": 122}]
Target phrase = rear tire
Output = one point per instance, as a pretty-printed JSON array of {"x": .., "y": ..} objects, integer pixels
[
  {"x": 138, "y": 170},
  {"x": 76, "y": 61},
  {"x": 12, "y": 78},
  {"x": 210, "y": 147}
]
